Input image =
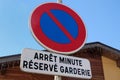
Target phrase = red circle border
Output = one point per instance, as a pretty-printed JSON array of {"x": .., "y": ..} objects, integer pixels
[{"x": 49, "y": 44}]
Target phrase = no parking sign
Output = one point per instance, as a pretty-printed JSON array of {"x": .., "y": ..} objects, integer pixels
[{"x": 58, "y": 28}]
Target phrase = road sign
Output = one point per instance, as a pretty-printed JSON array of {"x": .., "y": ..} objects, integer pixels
[
  {"x": 58, "y": 28},
  {"x": 35, "y": 61}
]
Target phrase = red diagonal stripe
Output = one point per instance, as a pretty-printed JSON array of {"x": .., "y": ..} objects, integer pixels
[{"x": 65, "y": 31}]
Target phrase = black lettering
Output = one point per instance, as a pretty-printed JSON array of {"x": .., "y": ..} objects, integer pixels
[
  {"x": 82, "y": 72},
  {"x": 80, "y": 62},
  {"x": 45, "y": 67},
  {"x": 36, "y": 56},
  {"x": 46, "y": 57},
  {"x": 70, "y": 61},
  {"x": 61, "y": 60},
  {"x": 75, "y": 70},
  {"x": 36, "y": 65},
  {"x": 76, "y": 62},
  {"x": 30, "y": 64},
  {"x": 40, "y": 66},
  {"x": 55, "y": 68},
  {"x": 85, "y": 72},
  {"x": 50, "y": 58},
  {"x": 79, "y": 72},
  {"x": 55, "y": 57},
  {"x": 70, "y": 70},
  {"x": 73, "y": 61},
  {"x": 51, "y": 67},
  {"x": 25, "y": 64},
  {"x": 62, "y": 69},
  {"x": 40, "y": 56},
  {"x": 88, "y": 72},
  {"x": 66, "y": 69}
]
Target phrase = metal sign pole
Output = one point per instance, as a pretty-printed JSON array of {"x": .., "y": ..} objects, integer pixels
[
  {"x": 59, "y": 1},
  {"x": 58, "y": 77}
]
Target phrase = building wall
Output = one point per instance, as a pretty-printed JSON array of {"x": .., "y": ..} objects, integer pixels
[
  {"x": 94, "y": 56},
  {"x": 15, "y": 73},
  {"x": 111, "y": 71}
]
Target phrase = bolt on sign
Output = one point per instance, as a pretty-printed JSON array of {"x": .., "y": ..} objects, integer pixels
[{"x": 35, "y": 61}]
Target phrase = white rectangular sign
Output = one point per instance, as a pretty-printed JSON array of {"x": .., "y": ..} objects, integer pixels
[{"x": 35, "y": 61}]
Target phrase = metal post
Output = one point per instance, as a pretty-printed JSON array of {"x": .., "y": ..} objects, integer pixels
[
  {"x": 58, "y": 77},
  {"x": 59, "y": 1}
]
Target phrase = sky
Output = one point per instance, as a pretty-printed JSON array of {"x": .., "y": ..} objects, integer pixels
[{"x": 101, "y": 19}]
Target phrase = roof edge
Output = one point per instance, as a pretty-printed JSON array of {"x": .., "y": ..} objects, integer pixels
[{"x": 114, "y": 51}]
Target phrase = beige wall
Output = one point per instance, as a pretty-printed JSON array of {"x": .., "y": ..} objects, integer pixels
[{"x": 111, "y": 71}]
